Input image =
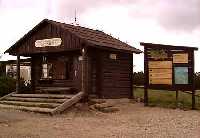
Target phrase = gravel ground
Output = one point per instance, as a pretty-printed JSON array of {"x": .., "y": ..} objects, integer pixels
[{"x": 133, "y": 120}]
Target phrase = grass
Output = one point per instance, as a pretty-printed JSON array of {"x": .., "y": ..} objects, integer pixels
[{"x": 167, "y": 99}]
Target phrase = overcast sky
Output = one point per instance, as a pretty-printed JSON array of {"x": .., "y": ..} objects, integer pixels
[{"x": 175, "y": 22}]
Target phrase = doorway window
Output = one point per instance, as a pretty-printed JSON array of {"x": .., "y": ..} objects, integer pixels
[{"x": 47, "y": 71}]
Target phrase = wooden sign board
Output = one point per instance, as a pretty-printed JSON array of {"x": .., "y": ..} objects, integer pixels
[
  {"x": 160, "y": 76},
  {"x": 161, "y": 81},
  {"x": 180, "y": 58},
  {"x": 48, "y": 42},
  {"x": 160, "y": 64}
]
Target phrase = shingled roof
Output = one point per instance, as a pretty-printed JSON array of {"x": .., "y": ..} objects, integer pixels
[{"x": 94, "y": 37}]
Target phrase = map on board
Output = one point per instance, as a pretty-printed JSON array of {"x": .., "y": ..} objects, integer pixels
[{"x": 181, "y": 75}]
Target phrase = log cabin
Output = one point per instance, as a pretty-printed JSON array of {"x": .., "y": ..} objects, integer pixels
[{"x": 82, "y": 59}]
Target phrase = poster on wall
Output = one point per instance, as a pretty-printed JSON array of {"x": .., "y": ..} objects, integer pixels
[
  {"x": 180, "y": 58},
  {"x": 181, "y": 75}
]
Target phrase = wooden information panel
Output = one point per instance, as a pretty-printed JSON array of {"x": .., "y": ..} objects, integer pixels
[
  {"x": 163, "y": 73},
  {"x": 160, "y": 81},
  {"x": 180, "y": 58},
  {"x": 160, "y": 64},
  {"x": 160, "y": 72}
]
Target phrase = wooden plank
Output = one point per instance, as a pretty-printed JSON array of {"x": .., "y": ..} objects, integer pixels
[
  {"x": 30, "y": 104},
  {"x": 24, "y": 108},
  {"x": 68, "y": 103},
  {"x": 43, "y": 96},
  {"x": 35, "y": 100},
  {"x": 160, "y": 73},
  {"x": 160, "y": 76},
  {"x": 160, "y": 70},
  {"x": 180, "y": 58},
  {"x": 160, "y": 81},
  {"x": 160, "y": 64}
]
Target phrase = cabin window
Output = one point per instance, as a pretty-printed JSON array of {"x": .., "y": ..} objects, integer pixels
[
  {"x": 47, "y": 71},
  {"x": 113, "y": 56}
]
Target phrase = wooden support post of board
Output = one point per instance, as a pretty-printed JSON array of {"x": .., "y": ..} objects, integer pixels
[
  {"x": 18, "y": 75},
  {"x": 176, "y": 98},
  {"x": 193, "y": 99},
  {"x": 193, "y": 82},
  {"x": 146, "y": 78},
  {"x": 146, "y": 98}
]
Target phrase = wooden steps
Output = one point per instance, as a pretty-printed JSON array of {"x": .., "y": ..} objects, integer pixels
[
  {"x": 25, "y": 108},
  {"x": 42, "y": 103}
]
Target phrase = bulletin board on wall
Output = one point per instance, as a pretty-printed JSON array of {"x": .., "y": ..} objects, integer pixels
[{"x": 168, "y": 67}]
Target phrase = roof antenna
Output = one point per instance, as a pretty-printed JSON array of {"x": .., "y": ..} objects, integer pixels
[{"x": 75, "y": 19}]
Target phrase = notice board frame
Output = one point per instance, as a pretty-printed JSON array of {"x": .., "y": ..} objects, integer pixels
[{"x": 169, "y": 50}]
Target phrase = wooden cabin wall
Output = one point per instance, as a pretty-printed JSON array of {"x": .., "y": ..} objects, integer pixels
[
  {"x": 48, "y": 31},
  {"x": 116, "y": 75},
  {"x": 110, "y": 78}
]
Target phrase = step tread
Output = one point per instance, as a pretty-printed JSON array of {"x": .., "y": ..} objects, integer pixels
[
  {"x": 54, "y": 88},
  {"x": 62, "y": 96},
  {"x": 24, "y": 108},
  {"x": 30, "y": 104},
  {"x": 46, "y": 100}
]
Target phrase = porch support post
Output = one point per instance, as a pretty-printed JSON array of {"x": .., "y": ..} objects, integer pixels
[
  {"x": 32, "y": 74},
  {"x": 18, "y": 74},
  {"x": 132, "y": 96},
  {"x": 85, "y": 73}
]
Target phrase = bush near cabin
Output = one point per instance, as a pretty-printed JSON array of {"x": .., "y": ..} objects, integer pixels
[{"x": 8, "y": 85}]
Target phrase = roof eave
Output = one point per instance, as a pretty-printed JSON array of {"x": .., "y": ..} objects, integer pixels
[{"x": 154, "y": 44}]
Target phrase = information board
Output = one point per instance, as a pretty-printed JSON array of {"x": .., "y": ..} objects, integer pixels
[{"x": 169, "y": 67}]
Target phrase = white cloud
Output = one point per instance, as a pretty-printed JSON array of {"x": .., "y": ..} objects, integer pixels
[{"x": 169, "y": 22}]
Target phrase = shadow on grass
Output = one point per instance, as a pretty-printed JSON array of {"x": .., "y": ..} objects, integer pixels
[{"x": 167, "y": 99}]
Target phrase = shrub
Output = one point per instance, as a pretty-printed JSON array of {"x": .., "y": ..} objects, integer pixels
[
  {"x": 7, "y": 85},
  {"x": 138, "y": 78}
]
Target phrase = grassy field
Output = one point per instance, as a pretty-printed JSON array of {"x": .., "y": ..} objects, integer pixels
[{"x": 167, "y": 99}]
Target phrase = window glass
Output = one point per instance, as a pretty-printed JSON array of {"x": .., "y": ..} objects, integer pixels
[
  {"x": 46, "y": 71},
  {"x": 181, "y": 75}
]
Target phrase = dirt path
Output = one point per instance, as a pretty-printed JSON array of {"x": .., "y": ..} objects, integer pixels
[{"x": 132, "y": 121}]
